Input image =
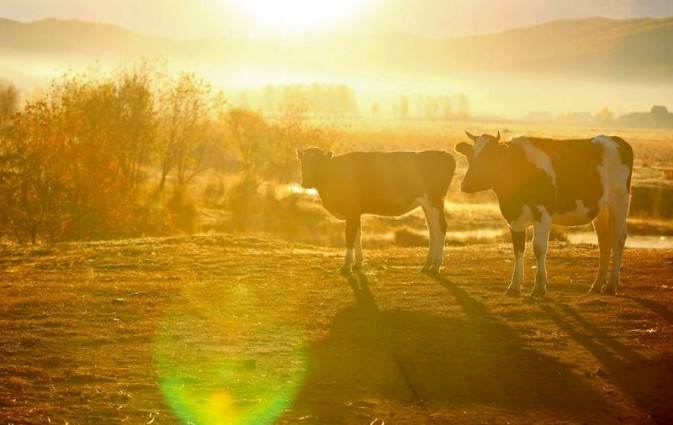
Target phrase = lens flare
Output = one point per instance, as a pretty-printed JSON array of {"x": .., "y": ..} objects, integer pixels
[{"x": 222, "y": 360}]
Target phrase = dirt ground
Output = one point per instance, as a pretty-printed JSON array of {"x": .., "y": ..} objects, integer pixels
[{"x": 221, "y": 329}]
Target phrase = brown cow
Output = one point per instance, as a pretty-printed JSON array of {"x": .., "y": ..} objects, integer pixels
[
  {"x": 385, "y": 184},
  {"x": 540, "y": 182}
]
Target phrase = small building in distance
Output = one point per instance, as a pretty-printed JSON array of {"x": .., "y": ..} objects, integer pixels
[{"x": 658, "y": 117}]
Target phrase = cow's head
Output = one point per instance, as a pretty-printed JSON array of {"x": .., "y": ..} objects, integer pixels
[
  {"x": 313, "y": 160},
  {"x": 483, "y": 159}
]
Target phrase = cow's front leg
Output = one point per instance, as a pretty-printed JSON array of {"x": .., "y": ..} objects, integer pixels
[
  {"x": 352, "y": 228},
  {"x": 540, "y": 241},
  {"x": 519, "y": 245}
]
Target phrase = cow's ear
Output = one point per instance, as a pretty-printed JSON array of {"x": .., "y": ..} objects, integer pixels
[
  {"x": 465, "y": 149},
  {"x": 472, "y": 136},
  {"x": 329, "y": 154},
  {"x": 300, "y": 154}
]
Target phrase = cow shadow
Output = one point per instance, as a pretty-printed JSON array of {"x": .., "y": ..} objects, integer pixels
[
  {"x": 645, "y": 381},
  {"x": 655, "y": 307},
  {"x": 429, "y": 362}
]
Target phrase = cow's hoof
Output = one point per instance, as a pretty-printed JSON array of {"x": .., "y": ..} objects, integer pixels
[
  {"x": 513, "y": 292},
  {"x": 430, "y": 270},
  {"x": 426, "y": 269},
  {"x": 609, "y": 290},
  {"x": 345, "y": 271},
  {"x": 538, "y": 292}
]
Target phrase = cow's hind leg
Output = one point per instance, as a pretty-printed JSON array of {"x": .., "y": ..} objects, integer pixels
[
  {"x": 352, "y": 229},
  {"x": 441, "y": 236},
  {"x": 359, "y": 257},
  {"x": 602, "y": 228},
  {"x": 619, "y": 209},
  {"x": 432, "y": 219}
]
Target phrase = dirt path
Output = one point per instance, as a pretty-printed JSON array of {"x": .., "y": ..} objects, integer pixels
[{"x": 218, "y": 329}]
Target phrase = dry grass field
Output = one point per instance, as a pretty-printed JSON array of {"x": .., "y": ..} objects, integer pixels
[{"x": 224, "y": 329}]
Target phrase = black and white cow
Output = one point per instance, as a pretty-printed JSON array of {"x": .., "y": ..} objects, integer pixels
[
  {"x": 384, "y": 184},
  {"x": 540, "y": 182}
]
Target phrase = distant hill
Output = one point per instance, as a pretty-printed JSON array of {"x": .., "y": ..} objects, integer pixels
[
  {"x": 60, "y": 37},
  {"x": 596, "y": 47},
  {"x": 589, "y": 48}
]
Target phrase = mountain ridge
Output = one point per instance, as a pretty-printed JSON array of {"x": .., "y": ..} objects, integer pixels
[{"x": 586, "y": 48}]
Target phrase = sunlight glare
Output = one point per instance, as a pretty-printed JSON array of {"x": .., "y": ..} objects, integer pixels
[{"x": 295, "y": 16}]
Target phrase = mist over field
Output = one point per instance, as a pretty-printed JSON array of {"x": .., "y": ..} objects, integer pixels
[{"x": 558, "y": 67}]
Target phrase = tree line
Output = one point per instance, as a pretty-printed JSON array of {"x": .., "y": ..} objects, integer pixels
[
  {"x": 111, "y": 155},
  {"x": 341, "y": 100}
]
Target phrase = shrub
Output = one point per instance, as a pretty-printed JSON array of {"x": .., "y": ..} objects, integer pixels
[
  {"x": 183, "y": 211},
  {"x": 408, "y": 238}
]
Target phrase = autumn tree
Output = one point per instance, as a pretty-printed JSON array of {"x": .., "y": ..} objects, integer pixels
[
  {"x": 185, "y": 111},
  {"x": 135, "y": 124},
  {"x": 77, "y": 154},
  {"x": 9, "y": 102},
  {"x": 31, "y": 190},
  {"x": 250, "y": 135}
]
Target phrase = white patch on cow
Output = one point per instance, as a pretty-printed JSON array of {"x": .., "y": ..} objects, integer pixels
[
  {"x": 524, "y": 221},
  {"x": 577, "y": 217},
  {"x": 614, "y": 175},
  {"x": 537, "y": 157},
  {"x": 610, "y": 155}
]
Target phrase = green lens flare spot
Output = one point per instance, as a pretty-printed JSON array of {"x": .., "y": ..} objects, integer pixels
[{"x": 225, "y": 360}]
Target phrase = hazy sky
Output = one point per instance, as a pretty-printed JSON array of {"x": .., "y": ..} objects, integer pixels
[{"x": 436, "y": 18}]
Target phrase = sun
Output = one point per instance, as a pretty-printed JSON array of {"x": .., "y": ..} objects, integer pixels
[{"x": 296, "y": 16}]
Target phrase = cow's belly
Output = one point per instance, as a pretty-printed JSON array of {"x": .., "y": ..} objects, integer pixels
[
  {"x": 529, "y": 215},
  {"x": 579, "y": 216},
  {"x": 390, "y": 208},
  {"x": 397, "y": 211}
]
